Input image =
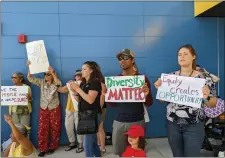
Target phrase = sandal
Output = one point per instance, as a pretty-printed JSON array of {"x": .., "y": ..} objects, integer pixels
[{"x": 80, "y": 148}]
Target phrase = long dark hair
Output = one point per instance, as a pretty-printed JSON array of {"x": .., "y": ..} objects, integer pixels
[
  {"x": 96, "y": 72},
  {"x": 141, "y": 143},
  {"x": 193, "y": 53}
]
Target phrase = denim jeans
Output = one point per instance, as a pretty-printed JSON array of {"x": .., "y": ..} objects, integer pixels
[
  {"x": 91, "y": 147},
  {"x": 185, "y": 140}
]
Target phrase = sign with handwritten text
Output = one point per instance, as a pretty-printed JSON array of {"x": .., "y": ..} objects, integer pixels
[
  {"x": 125, "y": 89},
  {"x": 14, "y": 95},
  {"x": 181, "y": 90},
  {"x": 37, "y": 56}
]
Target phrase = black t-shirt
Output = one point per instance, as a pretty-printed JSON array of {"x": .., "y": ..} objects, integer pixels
[{"x": 93, "y": 85}]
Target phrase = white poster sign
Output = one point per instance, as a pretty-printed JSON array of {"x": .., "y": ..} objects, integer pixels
[
  {"x": 125, "y": 88},
  {"x": 181, "y": 90},
  {"x": 14, "y": 95},
  {"x": 36, "y": 54}
]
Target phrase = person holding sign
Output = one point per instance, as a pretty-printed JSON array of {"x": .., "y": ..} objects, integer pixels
[
  {"x": 20, "y": 146},
  {"x": 50, "y": 113},
  {"x": 88, "y": 96},
  {"x": 21, "y": 114},
  {"x": 129, "y": 113},
  {"x": 72, "y": 117},
  {"x": 186, "y": 122}
]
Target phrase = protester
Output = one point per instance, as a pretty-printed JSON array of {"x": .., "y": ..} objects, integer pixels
[
  {"x": 185, "y": 124},
  {"x": 50, "y": 114},
  {"x": 21, "y": 146},
  {"x": 88, "y": 96},
  {"x": 71, "y": 117},
  {"x": 128, "y": 113}
]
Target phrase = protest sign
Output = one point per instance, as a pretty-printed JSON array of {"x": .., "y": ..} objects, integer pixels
[
  {"x": 181, "y": 90},
  {"x": 72, "y": 95},
  {"x": 14, "y": 95},
  {"x": 125, "y": 89},
  {"x": 37, "y": 56}
]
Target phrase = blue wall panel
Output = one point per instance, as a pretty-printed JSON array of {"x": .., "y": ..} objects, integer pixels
[
  {"x": 73, "y": 46},
  {"x": 101, "y": 25},
  {"x": 30, "y": 24},
  {"x": 29, "y": 7},
  {"x": 113, "y": 8},
  {"x": 12, "y": 49},
  {"x": 75, "y": 32}
]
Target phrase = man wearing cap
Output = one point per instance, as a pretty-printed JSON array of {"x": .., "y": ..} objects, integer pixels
[
  {"x": 128, "y": 113},
  {"x": 72, "y": 117}
]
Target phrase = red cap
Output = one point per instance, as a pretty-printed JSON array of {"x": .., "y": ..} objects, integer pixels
[{"x": 136, "y": 131}]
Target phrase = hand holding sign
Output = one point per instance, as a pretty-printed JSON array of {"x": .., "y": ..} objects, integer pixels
[
  {"x": 158, "y": 83},
  {"x": 145, "y": 89},
  {"x": 74, "y": 86},
  {"x": 206, "y": 92}
]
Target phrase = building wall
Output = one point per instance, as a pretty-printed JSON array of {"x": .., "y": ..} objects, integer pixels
[{"x": 75, "y": 32}]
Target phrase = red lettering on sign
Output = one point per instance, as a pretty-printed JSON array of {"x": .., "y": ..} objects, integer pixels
[{"x": 112, "y": 95}]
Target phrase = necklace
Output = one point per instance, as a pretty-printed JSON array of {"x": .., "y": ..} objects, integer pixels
[{"x": 189, "y": 75}]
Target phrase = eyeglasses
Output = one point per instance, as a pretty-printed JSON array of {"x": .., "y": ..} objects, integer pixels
[
  {"x": 47, "y": 74},
  {"x": 124, "y": 57}
]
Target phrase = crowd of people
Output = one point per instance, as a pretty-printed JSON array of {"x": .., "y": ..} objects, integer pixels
[{"x": 185, "y": 124}]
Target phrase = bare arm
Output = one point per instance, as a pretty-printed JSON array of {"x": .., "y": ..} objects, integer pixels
[
  {"x": 6, "y": 152},
  {"x": 23, "y": 141},
  {"x": 102, "y": 100},
  {"x": 63, "y": 89},
  {"x": 56, "y": 79},
  {"x": 211, "y": 103}
]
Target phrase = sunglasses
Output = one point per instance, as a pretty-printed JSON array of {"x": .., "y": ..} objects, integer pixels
[
  {"x": 124, "y": 57},
  {"x": 47, "y": 74},
  {"x": 14, "y": 77}
]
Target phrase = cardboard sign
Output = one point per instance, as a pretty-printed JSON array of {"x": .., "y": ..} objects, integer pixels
[
  {"x": 125, "y": 89},
  {"x": 181, "y": 90},
  {"x": 37, "y": 56},
  {"x": 72, "y": 95},
  {"x": 14, "y": 95}
]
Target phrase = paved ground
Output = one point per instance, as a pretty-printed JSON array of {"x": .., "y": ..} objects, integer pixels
[{"x": 157, "y": 147}]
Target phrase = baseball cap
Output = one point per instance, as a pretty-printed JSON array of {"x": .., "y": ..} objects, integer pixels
[
  {"x": 125, "y": 51},
  {"x": 135, "y": 131},
  {"x": 78, "y": 72}
]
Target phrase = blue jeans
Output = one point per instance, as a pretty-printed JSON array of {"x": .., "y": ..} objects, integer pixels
[
  {"x": 91, "y": 147},
  {"x": 185, "y": 140}
]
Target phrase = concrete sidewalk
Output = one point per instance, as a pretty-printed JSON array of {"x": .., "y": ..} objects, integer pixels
[{"x": 157, "y": 147}]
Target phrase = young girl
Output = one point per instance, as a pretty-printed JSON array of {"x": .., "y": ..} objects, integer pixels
[{"x": 136, "y": 142}]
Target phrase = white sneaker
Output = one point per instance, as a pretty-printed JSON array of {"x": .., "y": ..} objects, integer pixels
[{"x": 221, "y": 154}]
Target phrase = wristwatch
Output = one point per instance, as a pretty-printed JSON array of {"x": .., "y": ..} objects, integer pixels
[{"x": 206, "y": 99}]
